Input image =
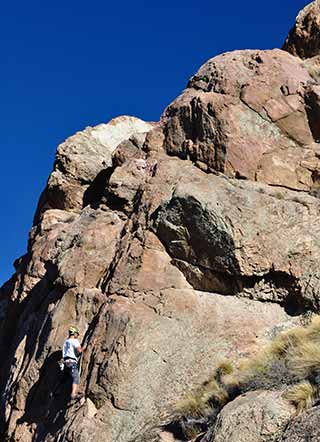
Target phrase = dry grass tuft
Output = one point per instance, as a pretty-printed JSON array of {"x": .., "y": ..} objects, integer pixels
[
  {"x": 193, "y": 406},
  {"x": 200, "y": 402},
  {"x": 225, "y": 367},
  {"x": 297, "y": 351},
  {"x": 292, "y": 356},
  {"x": 314, "y": 72},
  {"x": 301, "y": 395},
  {"x": 304, "y": 359},
  {"x": 292, "y": 359},
  {"x": 313, "y": 328},
  {"x": 206, "y": 400}
]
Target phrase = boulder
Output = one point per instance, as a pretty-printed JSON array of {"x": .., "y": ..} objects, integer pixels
[
  {"x": 304, "y": 428},
  {"x": 258, "y": 416}
]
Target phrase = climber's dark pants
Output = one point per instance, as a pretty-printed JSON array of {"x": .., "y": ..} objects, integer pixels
[{"x": 71, "y": 369}]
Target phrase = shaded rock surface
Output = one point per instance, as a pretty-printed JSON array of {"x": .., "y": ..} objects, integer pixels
[
  {"x": 222, "y": 233},
  {"x": 172, "y": 246},
  {"x": 303, "y": 39}
]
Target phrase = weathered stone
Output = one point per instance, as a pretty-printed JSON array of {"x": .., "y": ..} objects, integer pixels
[
  {"x": 87, "y": 248},
  {"x": 221, "y": 234},
  {"x": 151, "y": 302},
  {"x": 244, "y": 114},
  {"x": 124, "y": 152},
  {"x": 258, "y": 416},
  {"x": 132, "y": 241},
  {"x": 82, "y": 157},
  {"x": 126, "y": 183},
  {"x": 152, "y": 354},
  {"x": 303, "y": 39},
  {"x": 36, "y": 346},
  {"x": 312, "y": 100},
  {"x": 304, "y": 428}
]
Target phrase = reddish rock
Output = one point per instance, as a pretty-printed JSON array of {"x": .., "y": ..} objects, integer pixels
[
  {"x": 146, "y": 239},
  {"x": 304, "y": 428},
  {"x": 303, "y": 39},
  {"x": 258, "y": 416},
  {"x": 222, "y": 233},
  {"x": 244, "y": 114}
]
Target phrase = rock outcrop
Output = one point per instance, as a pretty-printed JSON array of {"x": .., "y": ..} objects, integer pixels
[
  {"x": 258, "y": 416},
  {"x": 304, "y": 428},
  {"x": 222, "y": 234},
  {"x": 82, "y": 161},
  {"x": 247, "y": 114},
  {"x": 303, "y": 39},
  {"x": 172, "y": 246}
]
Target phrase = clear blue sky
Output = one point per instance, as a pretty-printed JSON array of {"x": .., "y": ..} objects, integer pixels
[{"x": 70, "y": 64}]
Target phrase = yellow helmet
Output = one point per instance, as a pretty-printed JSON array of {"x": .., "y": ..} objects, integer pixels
[{"x": 73, "y": 330}]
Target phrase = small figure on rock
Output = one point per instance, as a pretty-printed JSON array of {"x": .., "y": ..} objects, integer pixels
[{"x": 70, "y": 353}]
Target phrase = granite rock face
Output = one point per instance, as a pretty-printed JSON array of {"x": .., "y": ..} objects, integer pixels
[
  {"x": 258, "y": 416},
  {"x": 304, "y": 428},
  {"x": 172, "y": 246},
  {"x": 247, "y": 114},
  {"x": 82, "y": 161},
  {"x": 303, "y": 39},
  {"x": 222, "y": 233}
]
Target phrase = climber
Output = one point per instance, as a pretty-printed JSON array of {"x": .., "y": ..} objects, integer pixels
[{"x": 70, "y": 353}]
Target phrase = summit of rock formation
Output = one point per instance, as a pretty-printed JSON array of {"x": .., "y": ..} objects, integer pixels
[
  {"x": 173, "y": 246},
  {"x": 303, "y": 39}
]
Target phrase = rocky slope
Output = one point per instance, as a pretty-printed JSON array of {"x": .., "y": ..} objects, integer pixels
[{"x": 173, "y": 246}]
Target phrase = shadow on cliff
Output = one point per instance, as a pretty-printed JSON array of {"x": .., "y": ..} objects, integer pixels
[
  {"x": 201, "y": 245},
  {"x": 97, "y": 189},
  {"x": 48, "y": 399},
  {"x": 27, "y": 326}
]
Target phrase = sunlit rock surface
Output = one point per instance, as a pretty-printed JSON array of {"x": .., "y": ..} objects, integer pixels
[{"x": 172, "y": 246}]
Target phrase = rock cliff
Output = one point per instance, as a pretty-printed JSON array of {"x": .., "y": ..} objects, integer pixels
[{"x": 173, "y": 246}]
